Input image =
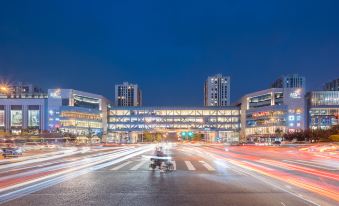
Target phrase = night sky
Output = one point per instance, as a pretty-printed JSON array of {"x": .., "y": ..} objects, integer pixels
[{"x": 168, "y": 47}]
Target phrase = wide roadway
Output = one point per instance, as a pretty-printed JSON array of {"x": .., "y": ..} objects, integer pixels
[{"x": 203, "y": 175}]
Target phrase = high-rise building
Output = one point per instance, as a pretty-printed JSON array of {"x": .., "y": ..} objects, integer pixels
[
  {"x": 217, "y": 90},
  {"x": 290, "y": 81},
  {"x": 332, "y": 85},
  {"x": 127, "y": 94}
]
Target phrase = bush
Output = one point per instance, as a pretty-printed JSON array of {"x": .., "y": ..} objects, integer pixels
[{"x": 334, "y": 138}]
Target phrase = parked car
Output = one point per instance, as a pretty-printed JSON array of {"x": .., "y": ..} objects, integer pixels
[
  {"x": 276, "y": 143},
  {"x": 12, "y": 152}
]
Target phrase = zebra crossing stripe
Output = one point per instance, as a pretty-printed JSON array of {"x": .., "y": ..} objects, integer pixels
[
  {"x": 207, "y": 166},
  {"x": 174, "y": 165},
  {"x": 135, "y": 167},
  {"x": 189, "y": 165},
  {"x": 120, "y": 166}
]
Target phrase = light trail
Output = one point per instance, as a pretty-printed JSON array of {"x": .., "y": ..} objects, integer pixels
[
  {"x": 306, "y": 183},
  {"x": 25, "y": 188},
  {"x": 85, "y": 160}
]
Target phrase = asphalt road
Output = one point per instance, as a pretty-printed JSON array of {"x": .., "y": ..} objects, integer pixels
[{"x": 203, "y": 175}]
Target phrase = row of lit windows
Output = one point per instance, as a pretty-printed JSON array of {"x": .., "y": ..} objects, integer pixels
[
  {"x": 272, "y": 130},
  {"x": 325, "y": 98},
  {"x": 263, "y": 122},
  {"x": 78, "y": 115},
  {"x": 266, "y": 114},
  {"x": 170, "y": 119},
  {"x": 325, "y": 111},
  {"x": 77, "y": 123},
  {"x": 173, "y": 126},
  {"x": 175, "y": 112}
]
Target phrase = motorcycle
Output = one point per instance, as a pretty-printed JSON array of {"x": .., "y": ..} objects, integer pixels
[{"x": 163, "y": 163}]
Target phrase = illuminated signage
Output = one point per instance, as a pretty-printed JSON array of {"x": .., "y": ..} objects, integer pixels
[
  {"x": 296, "y": 94},
  {"x": 55, "y": 94}
]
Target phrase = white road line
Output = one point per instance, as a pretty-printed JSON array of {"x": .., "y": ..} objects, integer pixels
[
  {"x": 135, "y": 167},
  {"x": 120, "y": 166},
  {"x": 283, "y": 204},
  {"x": 174, "y": 165},
  {"x": 207, "y": 166},
  {"x": 189, "y": 165},
  {"x": 309, "y": 164}
]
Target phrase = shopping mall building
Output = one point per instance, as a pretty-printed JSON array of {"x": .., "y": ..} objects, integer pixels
[
  {"x": 129, "y": 124},
  {"x": 27, "y": 110},
  {"x": 266, "y": 114},
  {"x": 76, "y": 112}
]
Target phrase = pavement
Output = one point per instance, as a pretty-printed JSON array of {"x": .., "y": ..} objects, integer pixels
[{"x": 203, "y": 175}]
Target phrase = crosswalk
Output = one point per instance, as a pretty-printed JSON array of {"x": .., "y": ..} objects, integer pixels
[
  {"x": 203, "y": 165},
  {"x": 187, "y": 165},
  {"x": 121, "y": 166}
]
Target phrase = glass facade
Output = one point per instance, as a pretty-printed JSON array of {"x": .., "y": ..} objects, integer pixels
[
  {"x": 86, "y": 102},
  {"x": 323, "y": 109},
  {"x": 80, "y": 123},
  {"x": 260, "y": 101},
  {"x": 158, "y": 118},
  {"x": 324, "y": 98},
  {"x": 80, "y": 115},
  {"x": 323, "y": 118}
]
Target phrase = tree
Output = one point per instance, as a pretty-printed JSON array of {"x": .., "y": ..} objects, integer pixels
[
  {"x": 148, "y": 137},
  {"x": 278, "y": 132},
  {"x": 314, "y": 135}
]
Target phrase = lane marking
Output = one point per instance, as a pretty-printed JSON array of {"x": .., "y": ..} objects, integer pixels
[
  {"x": 122, "y": 165},
  {"x": 309, "y": 164},
  {"x": 174, "y": 165},
  {"x": 207, "y": 166},
  {"x": 135, "y": 167},
  {"x": 189, "y": 165},
  {"x": 283, "y": 204}
]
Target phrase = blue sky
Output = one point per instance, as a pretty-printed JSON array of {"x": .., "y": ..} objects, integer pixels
[{"x": 168, "y": 47}]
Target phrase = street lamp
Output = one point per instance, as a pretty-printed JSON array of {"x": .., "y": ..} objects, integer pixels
[{"x": 4, "y": 89}]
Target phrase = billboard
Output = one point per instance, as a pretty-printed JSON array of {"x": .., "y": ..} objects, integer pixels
[
  {"x": 2, "y": 118},
  {"x": 33, "y": 118},
  {"x": 16, "y": 118}
]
